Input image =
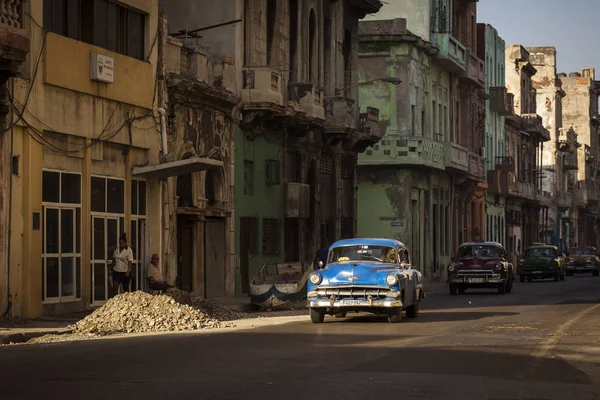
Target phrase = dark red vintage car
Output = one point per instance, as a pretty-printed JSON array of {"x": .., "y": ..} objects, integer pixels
[{"x": 480, "y": 265}]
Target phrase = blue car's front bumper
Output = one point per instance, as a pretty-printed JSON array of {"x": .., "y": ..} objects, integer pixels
[{"x": 354, "y": 297}]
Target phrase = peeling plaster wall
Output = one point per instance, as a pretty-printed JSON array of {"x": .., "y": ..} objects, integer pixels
[
  {"x": 517, "y": 81},
  {"x": 549, "y": 107},
  {"x": 577, "y": 110}
]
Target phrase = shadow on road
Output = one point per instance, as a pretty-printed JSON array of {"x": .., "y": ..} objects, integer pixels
[{"x": 424, "y": 317}]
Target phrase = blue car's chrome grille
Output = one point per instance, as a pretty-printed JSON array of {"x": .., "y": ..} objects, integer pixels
[{"x": 354, "y": 291}]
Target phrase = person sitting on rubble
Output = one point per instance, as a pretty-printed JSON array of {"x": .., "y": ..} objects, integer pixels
[{"x": 155, "y": 279}]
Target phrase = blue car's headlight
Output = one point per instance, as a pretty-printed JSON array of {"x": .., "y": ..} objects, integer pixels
[
  {"x": 391, "y": 279},
  {"x": 315, "y": 279}
]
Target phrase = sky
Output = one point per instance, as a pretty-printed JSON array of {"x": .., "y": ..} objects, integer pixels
[{"x": 572, "y": 26}]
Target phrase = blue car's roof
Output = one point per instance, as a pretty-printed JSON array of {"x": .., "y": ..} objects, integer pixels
[{"x": 368, "y": 242}]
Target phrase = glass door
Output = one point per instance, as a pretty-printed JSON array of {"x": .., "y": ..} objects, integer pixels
[{"x": 105, "y": 239}]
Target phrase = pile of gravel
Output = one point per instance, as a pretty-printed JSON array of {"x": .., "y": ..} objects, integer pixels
[{"x": 139, "y": 312}]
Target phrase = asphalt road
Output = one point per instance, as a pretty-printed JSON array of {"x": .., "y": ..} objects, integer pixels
[{"x": 540, "y": 342}]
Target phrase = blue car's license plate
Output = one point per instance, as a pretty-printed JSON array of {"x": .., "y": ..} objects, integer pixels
[{"x": 351, "y": 302}]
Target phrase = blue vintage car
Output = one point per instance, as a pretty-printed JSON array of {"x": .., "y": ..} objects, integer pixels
[{"x": 365, "y": 275}]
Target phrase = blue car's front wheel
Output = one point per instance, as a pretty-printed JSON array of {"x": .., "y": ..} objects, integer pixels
[
  {"x": 395, "y": 315},
  {"x": 317, "y": 315}
]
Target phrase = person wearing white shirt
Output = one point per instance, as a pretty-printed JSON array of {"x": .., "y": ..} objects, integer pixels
[
  {"x": 155, "y": 279},
  {"x": 123, "y": 257}
]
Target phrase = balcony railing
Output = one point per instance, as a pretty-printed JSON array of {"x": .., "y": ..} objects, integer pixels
[
  {"x": 564, "y": 199},
  {"x": 475, "y": 70},
  {"x": 526, "y": 190},
  {"x": 261, "y": 84},
  {"x": 580, "y": 195},
  {"x": 416, "y": 151},
  {"x": 505, "y": 163},
  {"x": 456, "y": 157},
  {"x": 11, "y": 13},
  {"x": 339, "y": 114},
  {"x": 477, "y": 166},
  {"x": 452, "y": 55},
  {"x": 309, "y": 97},
  {"x": 532, "y": 123},
  {"x": 501, "y": 100}
]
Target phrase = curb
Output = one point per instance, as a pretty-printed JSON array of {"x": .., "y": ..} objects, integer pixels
[{"x": 22, "y": 337}]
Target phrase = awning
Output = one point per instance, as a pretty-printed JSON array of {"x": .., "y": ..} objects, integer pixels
[{"x": 174, "y": 168}]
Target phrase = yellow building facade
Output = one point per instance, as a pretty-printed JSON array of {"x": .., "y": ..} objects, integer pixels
[{"x": 83, "y": 117}]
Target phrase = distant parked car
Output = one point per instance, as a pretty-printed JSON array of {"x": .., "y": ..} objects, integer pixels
[
  {"x": 541, "y": 262},
  {"x": 366, "y": 275},
  {"x": 480, "y": 265},
  {"x": 583, "y": 260}
]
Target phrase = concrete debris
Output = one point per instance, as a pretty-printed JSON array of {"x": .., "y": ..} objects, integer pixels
[{"x": 140, "y": 312}]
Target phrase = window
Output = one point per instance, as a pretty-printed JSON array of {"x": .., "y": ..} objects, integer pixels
[
  {"x": 99, "y": 22},
  {"x": 61, "y": 236},
  {"x": 248, "y": 177},
  {"x": 270, "y": 236},
  {"x": 138, "y": 197},
  {"x": 272, "y": 172}
]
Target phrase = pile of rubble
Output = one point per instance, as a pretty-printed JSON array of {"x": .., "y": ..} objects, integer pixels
[{"x": 142, "y": 312}]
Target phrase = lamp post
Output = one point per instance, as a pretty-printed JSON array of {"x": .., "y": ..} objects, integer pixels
[{"x": 389, "y": 79}]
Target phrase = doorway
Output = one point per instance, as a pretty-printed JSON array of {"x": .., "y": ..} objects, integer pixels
[
  {"x": 185, "y": 253},
  {"x": 215, "y": 257},
  {"x": 105, "y": 239}
]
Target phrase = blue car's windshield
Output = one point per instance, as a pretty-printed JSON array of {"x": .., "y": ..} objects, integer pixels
[{"x": 363, "y": 253}]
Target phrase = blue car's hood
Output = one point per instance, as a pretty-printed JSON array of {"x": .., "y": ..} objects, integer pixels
[{"x": 363, "y": 273}]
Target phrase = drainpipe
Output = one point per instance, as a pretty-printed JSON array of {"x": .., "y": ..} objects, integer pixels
[{"x": 10, "y": 197}]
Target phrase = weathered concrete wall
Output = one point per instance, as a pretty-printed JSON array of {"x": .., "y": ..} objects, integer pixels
[
  {"x": 416, "y": 12},
  {"x": 549, "y": 107},
  {"x": 518, "y": 70},
  {"x": 578, "y": 107}
]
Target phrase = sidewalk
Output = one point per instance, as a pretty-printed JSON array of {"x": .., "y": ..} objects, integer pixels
[{"x": 22, "y": 331}]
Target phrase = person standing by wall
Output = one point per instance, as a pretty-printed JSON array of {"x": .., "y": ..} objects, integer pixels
[{"x": 123, "y": 257}]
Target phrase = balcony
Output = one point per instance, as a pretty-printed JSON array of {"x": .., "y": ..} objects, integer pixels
[
  {"x": 452, "y": 55},
  {"x": 477, "y": 166},
  {"x": 14, "y": 41},
  {"x": 412, "y": 151},
  {"x": 580, "y": 195},
  {"x": 309, "y": 97},
  {"x": 526, "y": 190},
  {"x": 501, "y": 102},
  {"x": 191, "y": 71},
  {"x": 564, "y": 199},
  {"x": 262, "y": 88},
  {"x": 497, "y": 182},
  {"x": 592, "y": 191},
  {"x": 456, "y": 158},
  {"x": 340, "y": 115},
  {"x": 532, "y": 123},
  {"x": 297, "y": 200},
  {"x": 505, "y": 164},
  {"x": 368, "y": 131},
  {"x": 475, "y": 70}
]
